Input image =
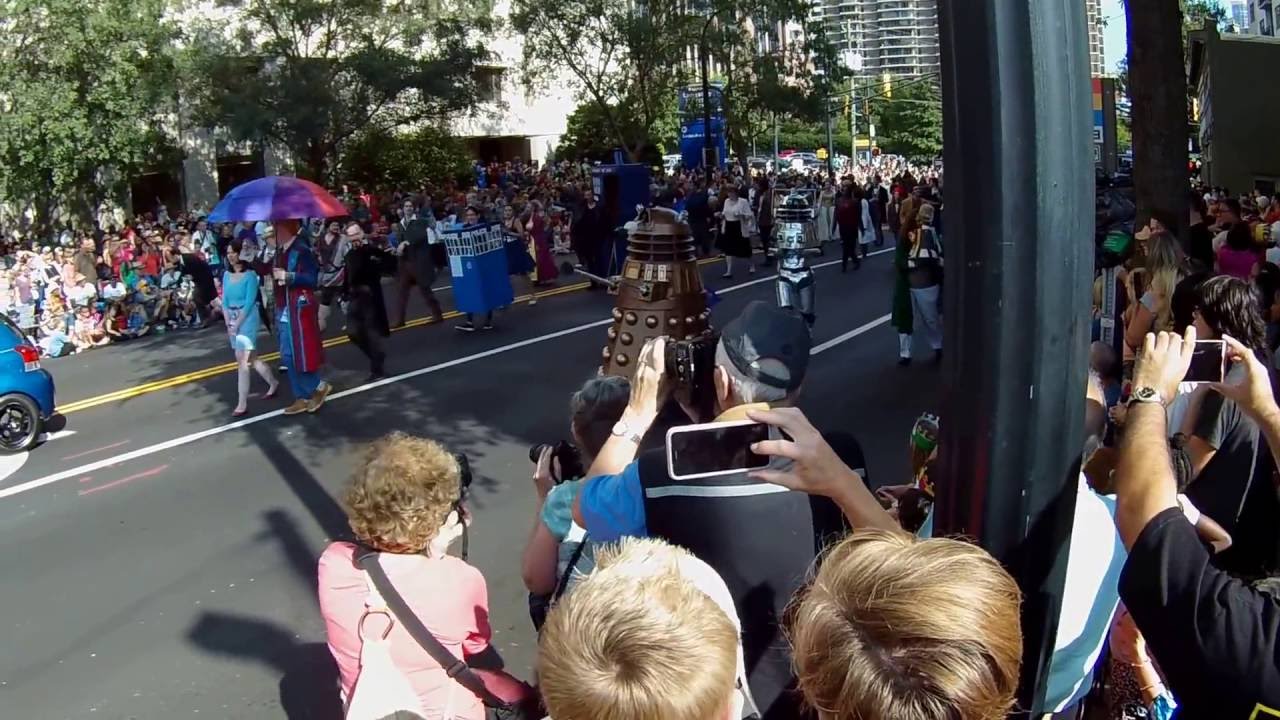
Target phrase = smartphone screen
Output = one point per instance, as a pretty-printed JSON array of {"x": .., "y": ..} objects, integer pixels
[
  {"x": 714, "y": 449},
  {"x": 1207, "y": 362}
]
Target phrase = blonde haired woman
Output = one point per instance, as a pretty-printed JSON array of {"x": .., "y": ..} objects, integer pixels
[
  {"x": 405, "y": 503},
  {"x": 1151, "y": 310}
]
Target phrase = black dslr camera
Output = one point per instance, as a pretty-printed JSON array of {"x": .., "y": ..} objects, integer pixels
[
  {"x": 690, "y": 364},
  {"x": 564, "y": 452}
]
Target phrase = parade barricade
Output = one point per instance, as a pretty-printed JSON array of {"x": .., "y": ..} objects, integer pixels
[{"x": 478, "y": 264}]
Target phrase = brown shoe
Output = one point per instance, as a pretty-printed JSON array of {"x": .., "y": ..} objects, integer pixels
[
  {"x": 317, "y": 400},
  {"x": 297, "y": 408}
]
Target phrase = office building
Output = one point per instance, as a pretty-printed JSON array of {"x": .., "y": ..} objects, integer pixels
[
  {"x": 1262, "y": 17},
  {"x": 1239, "y": 153},
  {"x": 899, "y": 37},
  {"x": 1238, "y": 16}
]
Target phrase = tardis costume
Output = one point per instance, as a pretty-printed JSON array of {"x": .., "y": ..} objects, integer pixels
[{"x": 301, "y": 347}]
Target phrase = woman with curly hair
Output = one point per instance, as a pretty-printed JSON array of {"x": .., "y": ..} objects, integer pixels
[{"x": 404, "y": 502}]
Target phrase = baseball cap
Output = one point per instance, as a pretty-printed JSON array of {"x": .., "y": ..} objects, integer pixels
[{"x": 768, "y": 344}]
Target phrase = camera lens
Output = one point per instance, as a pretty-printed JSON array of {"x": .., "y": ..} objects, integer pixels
[{"x": 535, "y": 451}]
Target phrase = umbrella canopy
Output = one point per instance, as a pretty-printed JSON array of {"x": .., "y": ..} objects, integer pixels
[{"x": 277, "y": 197}]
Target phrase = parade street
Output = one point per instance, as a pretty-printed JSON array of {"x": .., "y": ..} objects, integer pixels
[{"x": 159, "y": 555}]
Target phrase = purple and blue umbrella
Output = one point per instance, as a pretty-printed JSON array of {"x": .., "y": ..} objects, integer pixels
[{"x": 277, "y": 197}]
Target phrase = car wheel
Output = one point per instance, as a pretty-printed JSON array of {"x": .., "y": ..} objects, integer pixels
[{"x": 19, "y": 423}]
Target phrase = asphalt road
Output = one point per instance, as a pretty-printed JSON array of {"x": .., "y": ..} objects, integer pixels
[{"x": 159, "y": 560}]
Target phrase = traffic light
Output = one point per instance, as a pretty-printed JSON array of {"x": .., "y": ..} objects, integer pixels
[{"x": 888, "y": 85}]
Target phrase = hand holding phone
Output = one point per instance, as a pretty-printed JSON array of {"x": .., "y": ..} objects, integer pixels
[
  {"x": 1208, "y": 362},
  {"x": 713, "y": 449}
]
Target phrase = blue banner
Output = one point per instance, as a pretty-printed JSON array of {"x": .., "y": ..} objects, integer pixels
[{"x": 478, "y": 264}]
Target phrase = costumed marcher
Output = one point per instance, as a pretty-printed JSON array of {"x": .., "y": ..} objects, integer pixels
[
  {"x": 294, "y": 271},
  {"x": 924, "y": 277},
  {"x": 520, "y": 262},
  {"x": 417, "y": 267},
  {"x": 367, "y": 325},
  {"x": 588, "y": 233},
  {"x": 471, "y": 218},
  {"x": 735, "y": 219},
  {"x": 331, "y": 254},
  {"x": 240, "y": 311},
  {"x": 867, "y": 235},
  {"x": 826, "y": 216},
  {"x": 539, "y": 235},
  {"x": 849, "y": 223},
  {"x": 902, "y": 317}
]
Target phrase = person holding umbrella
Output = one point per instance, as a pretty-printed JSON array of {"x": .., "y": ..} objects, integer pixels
[{"x": 294, "y": 268}]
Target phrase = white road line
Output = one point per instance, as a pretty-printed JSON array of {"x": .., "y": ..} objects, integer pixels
[
  {"x": 849, "y": 335},
  {"x": 198, "y": 436}
]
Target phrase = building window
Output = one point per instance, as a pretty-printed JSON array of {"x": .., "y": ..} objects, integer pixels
[{"x": 489, "y": 82}]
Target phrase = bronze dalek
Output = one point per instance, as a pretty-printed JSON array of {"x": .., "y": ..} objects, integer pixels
[{"x": 659, "y": 292}]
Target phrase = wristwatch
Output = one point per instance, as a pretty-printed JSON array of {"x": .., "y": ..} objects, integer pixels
[
  {"x": 623, "y": 430},
  {"x": 1145, "y": 395}
]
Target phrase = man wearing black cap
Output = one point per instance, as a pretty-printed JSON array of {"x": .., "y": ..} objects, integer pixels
[{"x": 760, "y": 537}]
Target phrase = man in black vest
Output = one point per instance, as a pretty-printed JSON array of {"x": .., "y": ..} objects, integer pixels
[
  {"x": 412, "y": 236},
  {"x": 760, "y": 537}
]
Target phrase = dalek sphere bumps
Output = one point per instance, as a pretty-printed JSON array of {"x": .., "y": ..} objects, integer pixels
[{"x": 659, "y": 291}]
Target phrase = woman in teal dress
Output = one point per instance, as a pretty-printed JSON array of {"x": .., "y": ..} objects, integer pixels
[{"x": 239, "y": 308}]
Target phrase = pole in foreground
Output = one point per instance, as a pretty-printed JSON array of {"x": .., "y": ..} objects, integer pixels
[{"x": 1019, "y": 224}]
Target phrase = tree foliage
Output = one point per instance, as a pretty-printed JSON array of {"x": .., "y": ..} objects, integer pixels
[
  {"x": 910, "y": 122},
  {"x": 85, "y": 90},
  {"x": 387, "y": 159},
  {"x": 311, "y": 74},
  {"x": 765, "y": 76},
  {"x": 627, "y": 64},
  {"x": 590, "y": 136}
]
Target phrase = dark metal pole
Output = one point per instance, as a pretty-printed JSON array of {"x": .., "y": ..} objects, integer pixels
[
  {"x": 831, "y": 150},
  {"x": 707, "y": 146},
  {"x": 1018, "y": 231}
]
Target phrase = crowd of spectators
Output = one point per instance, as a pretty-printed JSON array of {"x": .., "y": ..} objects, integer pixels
[
  {"x": 658, "y": 599},
  {"x": 77, "y": 290}
]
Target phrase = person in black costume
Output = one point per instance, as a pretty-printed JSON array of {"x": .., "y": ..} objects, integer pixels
[{"x": 367, "y": 325}]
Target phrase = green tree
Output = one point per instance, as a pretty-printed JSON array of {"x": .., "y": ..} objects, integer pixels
[
  {"x": 389, "y": 159},
  {"x": 311, "y": 74},
  {"x": 909, "y": 123},
  {"x": 589, "y": 135},
  {"x": 86, "y": 91},
  {"x": 767, "y": 77},
  {"x": 625, "y": 62}
]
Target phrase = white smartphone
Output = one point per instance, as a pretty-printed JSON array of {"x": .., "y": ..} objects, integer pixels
[
  {"x": 1208, "y": 362},
  {"x": 711, "y": 449}
]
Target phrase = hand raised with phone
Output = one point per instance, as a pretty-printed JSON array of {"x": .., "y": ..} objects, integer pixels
[
  {"x": 816, "y": 468},
  {"x": 1164, "y": 361},
  {"x": 1252, "y": 394}
]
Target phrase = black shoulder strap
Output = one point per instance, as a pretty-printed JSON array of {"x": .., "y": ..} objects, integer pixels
[
  {"x": 562, "y": 583},
  {"x": 455, "y": 668}
]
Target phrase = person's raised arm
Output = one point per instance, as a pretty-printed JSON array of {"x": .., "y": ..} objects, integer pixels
[
  {"x": 1253, "y": 394},
  {"x": 817, "y": 470},
  {"x": 1145, "y": 484},
  {"x": 649, "y": 390}
]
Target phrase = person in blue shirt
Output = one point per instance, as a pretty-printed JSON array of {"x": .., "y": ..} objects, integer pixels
[{"x": 760, "y": 362}]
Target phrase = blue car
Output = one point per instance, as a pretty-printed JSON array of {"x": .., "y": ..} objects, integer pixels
[{"x": 26, "y": 391}]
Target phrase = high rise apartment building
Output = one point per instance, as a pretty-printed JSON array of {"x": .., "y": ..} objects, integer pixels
[
  {"x": 1096, "y": 25},
  {"x": 899, "y": 37}
]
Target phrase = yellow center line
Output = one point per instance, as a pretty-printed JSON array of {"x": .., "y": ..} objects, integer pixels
[{"x": 195, "y": 376}]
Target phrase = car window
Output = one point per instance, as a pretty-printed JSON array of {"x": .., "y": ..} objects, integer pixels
[{"x": 10, "y": 335}]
